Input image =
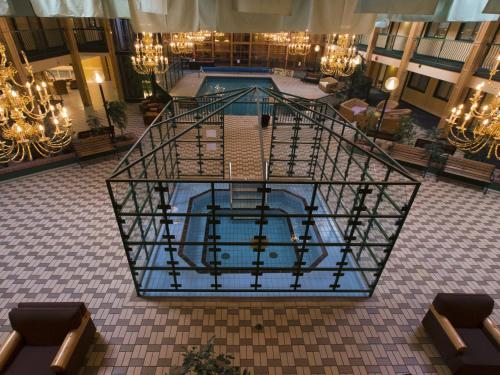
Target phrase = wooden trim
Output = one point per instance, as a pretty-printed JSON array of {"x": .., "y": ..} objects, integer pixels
[
  {"x": 68, "y": 346},
  {"x": 9, "y": 347},
  {"x": 492, "y": 329},
  {"x": 450, "y": 331}
]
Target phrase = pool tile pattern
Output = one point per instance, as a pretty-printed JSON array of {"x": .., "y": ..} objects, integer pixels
[{"x": 59, "y": 241}]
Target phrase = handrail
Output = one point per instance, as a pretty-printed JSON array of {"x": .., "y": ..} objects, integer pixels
[{"x": 230, "y": 184}]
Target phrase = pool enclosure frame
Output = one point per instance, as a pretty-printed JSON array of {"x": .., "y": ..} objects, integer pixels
[{"x": 350, "y": 184}]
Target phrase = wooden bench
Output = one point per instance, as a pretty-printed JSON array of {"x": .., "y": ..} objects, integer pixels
[
  {"x": 470, "y": 169},
  {"x": 410, "y": 155},
  {"x": 93, "y": 146}
]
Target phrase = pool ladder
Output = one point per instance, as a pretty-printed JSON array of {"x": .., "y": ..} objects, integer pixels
[{"x": 244, "y": 195}]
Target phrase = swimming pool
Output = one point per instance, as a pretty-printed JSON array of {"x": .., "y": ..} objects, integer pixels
[{"x": 218, "y": 84}]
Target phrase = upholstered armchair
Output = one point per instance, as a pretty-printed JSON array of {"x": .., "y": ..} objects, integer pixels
[
  {"x": 47, "y": 338},
  {"x": 463, "y": 333},
  {"x": 327, "y": 84},
  {"x": 353, "y": 109}
]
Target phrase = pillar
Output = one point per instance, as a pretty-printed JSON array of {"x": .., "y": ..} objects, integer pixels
[
  {"x": 113, "y": 62},
  {"x": 369, "y": 49},
  {"x": 411, "y": 44},
  {"x": 11, "y": 49},
  {"x": 76, "y": 61},
  {"x": 485, "y": 35}
]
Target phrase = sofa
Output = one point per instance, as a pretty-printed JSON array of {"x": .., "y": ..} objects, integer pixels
[
  {"x": 311, "y": 77},
  {"x": 466, "y": 338},
  {"x": 353, "y": 109},
  {"x": 48, "y": 338}
]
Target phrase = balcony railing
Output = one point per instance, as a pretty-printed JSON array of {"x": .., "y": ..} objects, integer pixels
[
  {"x": 391, "y": 45},
  {"x": 40, "y": 44},
  {"x": 489, "y": 62},
  {"x": 90, "y": 39},
  {"x": 362, "y": 41},
  {"x": 442, "y": 53}
]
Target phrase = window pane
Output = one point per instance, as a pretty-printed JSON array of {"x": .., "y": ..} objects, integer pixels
[
  {"x": 468, "y": 31},
  {"x": 437, "y": 29},
  {"x": 443, "y": 90},
  {"x": 418, "y": 82}
]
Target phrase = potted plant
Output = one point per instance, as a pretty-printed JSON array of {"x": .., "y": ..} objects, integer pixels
[
  {"x": 93, "y": 122},
  {"x": 205, "y": 362},
  {"x": 117, "y": 111},
  {"x": 436, "y": 149},
  {"x": 407, "y": 131}
]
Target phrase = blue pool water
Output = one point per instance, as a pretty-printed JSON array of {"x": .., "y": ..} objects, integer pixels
[{"x": 213, "y": 85}]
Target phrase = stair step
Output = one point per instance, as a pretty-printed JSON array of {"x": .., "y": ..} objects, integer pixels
[
  {"x": 247, "y": 195},
  {"x": 245, "y": 203},
  {"x": 246, "y": 186}
]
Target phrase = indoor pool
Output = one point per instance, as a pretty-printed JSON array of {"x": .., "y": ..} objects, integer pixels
[{"x": 217, "y": 84}]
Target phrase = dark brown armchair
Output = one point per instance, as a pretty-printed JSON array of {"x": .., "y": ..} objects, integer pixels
[
  {"x": 47, "y": 338},
  {"x": 468, "y": 341}
]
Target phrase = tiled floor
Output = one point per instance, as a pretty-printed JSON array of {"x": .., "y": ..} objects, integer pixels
[{"x": 59, "y": 241}]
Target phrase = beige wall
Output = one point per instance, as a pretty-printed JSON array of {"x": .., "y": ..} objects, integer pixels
[{"x": 425, "y": 100}]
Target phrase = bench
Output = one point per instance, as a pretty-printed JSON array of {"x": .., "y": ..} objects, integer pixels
[
  {"x": 470, "y": 169},
  {"x": 410, "y": 155},
  {"x": 93, "y": 146}
]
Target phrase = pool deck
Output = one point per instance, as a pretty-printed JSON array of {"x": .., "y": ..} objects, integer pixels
[{"x": 191, "y": 82}]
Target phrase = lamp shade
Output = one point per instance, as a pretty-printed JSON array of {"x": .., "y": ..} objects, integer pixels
[{"x": 391, "y": 84}]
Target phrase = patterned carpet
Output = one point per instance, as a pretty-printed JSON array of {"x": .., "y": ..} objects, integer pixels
[{"x": 59, "y": 242}]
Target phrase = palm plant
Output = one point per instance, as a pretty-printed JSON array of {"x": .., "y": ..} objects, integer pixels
[{"x": 117, "y": 111}]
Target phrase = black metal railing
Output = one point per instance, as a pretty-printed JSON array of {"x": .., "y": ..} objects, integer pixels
[
  {"x": 489, "y": 62},
  {"x": 322, "y": 221},
  {"x": 40, "y": 44},
  {"x": 442, "y": 53},
  {"x": 90, "y": 39},
  {"x": 391, "y": 45}
]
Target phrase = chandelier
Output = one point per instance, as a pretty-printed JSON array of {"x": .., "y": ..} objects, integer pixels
[
  {"x": 299, "y": 43},
  {"x": 479, "y": 127},
  {"x": 199, "y": 36},
  {"x": 149, "y": 57},
  {"x": 279, "y": 38},
  {"x": 28, "y": 120},
  {"x": 340, "y": 58},
  {"x": 181, "y": 44}
]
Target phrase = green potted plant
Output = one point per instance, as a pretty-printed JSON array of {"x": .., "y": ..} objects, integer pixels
[
  {"x": 117, "y": 111},
  {"x": 205, "y": 362},
  {"x": 93, "y": 122},
  {"x": 436, "y": 148},
  {"x": 407, "y": 131}
]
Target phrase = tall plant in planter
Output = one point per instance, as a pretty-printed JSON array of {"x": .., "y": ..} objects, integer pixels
[
  {"x": 206, "y": 362},
  {"x": 117, "y": 111}
]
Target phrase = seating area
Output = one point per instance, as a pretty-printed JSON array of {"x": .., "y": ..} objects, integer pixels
[{"x": 47, "y": 338}]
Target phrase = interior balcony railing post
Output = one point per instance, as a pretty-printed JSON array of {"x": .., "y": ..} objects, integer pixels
[{"x": 345, "y": 177}]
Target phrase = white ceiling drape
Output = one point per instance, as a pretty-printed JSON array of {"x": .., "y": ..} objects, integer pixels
[{"x": 319, "y": 16}]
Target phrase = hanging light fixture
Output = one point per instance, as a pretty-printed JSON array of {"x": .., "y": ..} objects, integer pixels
[
  {"x": 340, "y": 58},
  {"x": 28, "y": 120},
  {"x": 199, "y": 36},
  {"x": 181, "y": 44},
  {"x": 299, "y": 43},
  {"x": 149, "y": 57},
  {"x": 479, "y": 127}
]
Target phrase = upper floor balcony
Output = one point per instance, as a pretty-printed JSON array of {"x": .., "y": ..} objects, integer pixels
[
  {"x": 90, "y": 39},
  {"x": 447, "y": 54},
  {"x": 489, "y": 62},
  {"x": 39, "y": 44},
  {"x": 362, "y": 41},
  {"x": 390, "y": 45}
]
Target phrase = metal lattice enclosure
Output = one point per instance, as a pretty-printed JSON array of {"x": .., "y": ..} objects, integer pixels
[{"x": 322, "y": 220}]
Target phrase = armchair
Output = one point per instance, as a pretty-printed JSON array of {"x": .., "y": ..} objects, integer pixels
[
  {"x": 463, "y": 333},
  {"x": 353, "y": 109},
  {"x": 328, "y": 84},
  {"x": 47, "y": 338}
]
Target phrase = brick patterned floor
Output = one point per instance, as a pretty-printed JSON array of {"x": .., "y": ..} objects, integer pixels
[{"x": 59, "y": 241}]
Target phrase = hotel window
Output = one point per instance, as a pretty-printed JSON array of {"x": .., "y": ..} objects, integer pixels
[
  {"x": 443, "y": 90},
  {"x": 437, "y": 30},
  {"x": 418, "y": 82},
  {"x": 468, "y": 31}
]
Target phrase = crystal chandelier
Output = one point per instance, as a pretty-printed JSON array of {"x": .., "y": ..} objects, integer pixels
[
  {"x": 199, "y": 36},
  {"x": 340, "y": 58},
  {"x": 479, "y": 127},
  {"x": 278, "y": 38},
  {"x": 181, "y": 44},
  {"x": 28, "y": 120},
  {"x": 149, "y": 57},
  {"x": 299, "y": 43}
]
